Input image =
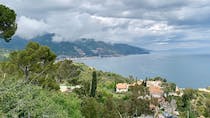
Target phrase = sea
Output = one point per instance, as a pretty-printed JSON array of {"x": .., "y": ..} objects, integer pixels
[{"x": 186, "y": 70}]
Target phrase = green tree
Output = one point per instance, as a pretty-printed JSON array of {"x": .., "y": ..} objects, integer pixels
[
  {"x": 34, "y": 60},
  {"x": 8, "y": 25},
  {"x": 91, "y": 108},
  {"x": 93, "y": 84},
  {"x": 207, "y": 110},
  {"x": 67, "y": 71},
  {"x": 139, "y": 105},
  {"x": 110, "y": 109},
  {"x": 188, "y": 95},
  {"x": 169, "y": 87}
]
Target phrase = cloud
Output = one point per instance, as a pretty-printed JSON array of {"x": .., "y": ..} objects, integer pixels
[
  {"x": 154, "y": 24},
  {"x": 29, "y": 28}
]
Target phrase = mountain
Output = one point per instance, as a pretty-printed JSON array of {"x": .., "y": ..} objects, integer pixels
[{"x": 78, "y": 48}]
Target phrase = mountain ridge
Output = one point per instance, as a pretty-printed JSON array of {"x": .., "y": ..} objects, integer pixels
[{"x": 78, "y": 48}]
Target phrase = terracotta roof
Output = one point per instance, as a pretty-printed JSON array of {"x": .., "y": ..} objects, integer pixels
[
  {"x": 155, "y": 90},
  {"x": 122, "y": 86}
]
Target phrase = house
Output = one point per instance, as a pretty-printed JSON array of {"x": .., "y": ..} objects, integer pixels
[
  {"x": 204, "y": 90},
  {"x": 121, "y": 87},
  {"x": 156, "y": 92},
  {"x": 64, "y": 88}
]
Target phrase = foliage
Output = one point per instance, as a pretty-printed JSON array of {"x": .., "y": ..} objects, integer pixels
[
  {"x": 34, "y": 62},
  {"x": 67, "y": 71},
  {"x": 169, "y": 87},
  {"x": 158, "y": 79},
  {"x": 110, "y": 109},
  {"x": 26, "y": 100},
  {"x": 7, "y": 23},
  {"x": 139, "y": 105},
  {"x": 207, "y": 111},
  {"x": 91, "y": 108}
]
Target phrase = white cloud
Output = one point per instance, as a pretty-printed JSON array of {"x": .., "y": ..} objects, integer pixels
[
  {"x": 29, "y": 28},
  {"x": 141, "y": 22}
]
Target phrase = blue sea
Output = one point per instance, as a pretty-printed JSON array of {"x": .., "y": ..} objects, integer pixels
[{"x": 186, "y": 70}]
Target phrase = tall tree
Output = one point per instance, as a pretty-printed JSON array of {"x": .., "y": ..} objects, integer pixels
[
  {"x": 34, "y": 59},
  {"x": 8, "y": 25},
  {"x": 94, "y": 84}
]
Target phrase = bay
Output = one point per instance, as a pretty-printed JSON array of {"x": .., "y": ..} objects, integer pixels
[{"x": 186, "y": 70}]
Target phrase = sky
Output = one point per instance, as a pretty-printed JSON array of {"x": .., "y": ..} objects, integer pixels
[{"x": 152, "y": 24}]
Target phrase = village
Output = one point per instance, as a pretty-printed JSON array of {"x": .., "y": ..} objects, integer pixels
[
  {"x": 165, "y": 109},
  {"x": 157, "y": 88}
]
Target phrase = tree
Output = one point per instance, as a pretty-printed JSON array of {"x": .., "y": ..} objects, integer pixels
[
  {"x": 139, "y": 105},
  {"x": 67, "y": 71},
  {"x": 110, "y": 109},
  {"x": 8, "y": 25},
  {"x": 207, "y": 111},
  {"x": 93, "y": 85},
  {"x": 91, "y": 108},
  {"x": 34, "y": 59}
]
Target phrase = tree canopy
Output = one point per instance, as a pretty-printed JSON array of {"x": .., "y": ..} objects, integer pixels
[
  {"x": 35, "y": 61},
  {"x": 8, "y": 24}
]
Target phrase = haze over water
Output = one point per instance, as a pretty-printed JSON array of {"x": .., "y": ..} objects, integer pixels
[{"x": 186, "y": 70}]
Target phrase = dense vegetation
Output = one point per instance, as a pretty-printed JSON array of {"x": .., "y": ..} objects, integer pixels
[
  {"x": 31, "y": 77},
  {"x": 79, "y": 48},
  {"x": 27, "y": 100}
]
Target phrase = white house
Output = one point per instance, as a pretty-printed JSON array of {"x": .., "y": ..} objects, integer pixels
[
  {"x": 64, "y": 88},
  {"x": 121, "y": 87}
]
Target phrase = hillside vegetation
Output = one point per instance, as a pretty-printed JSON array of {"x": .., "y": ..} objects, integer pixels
[{"x": 30, "y": 80}]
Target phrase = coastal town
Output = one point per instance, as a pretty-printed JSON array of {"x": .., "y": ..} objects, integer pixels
[{"x": 162, "y": 109}]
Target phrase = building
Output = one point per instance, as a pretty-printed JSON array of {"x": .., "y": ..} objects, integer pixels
[
  {"x": 64, "y": 88},
  {"x": 121, "y": 87},
  {"x": 156, "y": 92}
]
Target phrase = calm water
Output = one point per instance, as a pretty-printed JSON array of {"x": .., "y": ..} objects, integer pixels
[{"x": 185, "y": 70}]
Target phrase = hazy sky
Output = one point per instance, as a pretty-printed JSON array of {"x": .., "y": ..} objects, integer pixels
[{"x": 154, "y": 24}]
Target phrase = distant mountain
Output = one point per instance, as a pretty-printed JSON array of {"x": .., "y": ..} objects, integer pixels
[{"x": 78, "y": 48}]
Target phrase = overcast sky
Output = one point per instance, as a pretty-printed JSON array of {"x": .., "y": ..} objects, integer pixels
[{"x": 153, "y": 24}]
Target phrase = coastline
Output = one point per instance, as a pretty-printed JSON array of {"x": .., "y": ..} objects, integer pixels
[{"x": 63, "y": 57}]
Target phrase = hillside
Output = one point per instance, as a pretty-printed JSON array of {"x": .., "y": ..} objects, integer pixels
[
  {"x": 78, "y": 48},
  {"x": 35, "y": 93},
  {"x": 3, "y": 54}
]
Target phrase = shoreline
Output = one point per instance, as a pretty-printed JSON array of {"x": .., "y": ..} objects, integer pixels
[{"x": 63, "y": 57}]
